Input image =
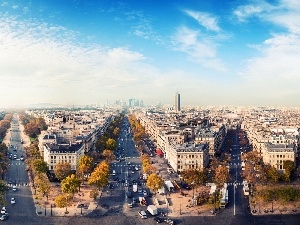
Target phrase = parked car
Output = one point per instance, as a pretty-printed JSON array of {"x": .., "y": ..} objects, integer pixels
[
  {"x": 143, "y": 214},
  {"x": 157, "y": 219},
  {"x": 3, "y": 210},
  {"x": 4, "y": 216}
]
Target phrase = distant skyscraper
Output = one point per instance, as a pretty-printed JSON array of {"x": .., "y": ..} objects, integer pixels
[{"x": 177, "y": 102}]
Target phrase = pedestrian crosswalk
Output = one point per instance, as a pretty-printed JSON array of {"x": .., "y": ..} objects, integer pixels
[
  {"x": 125, "y": 184},
  {"x": 124, "y": 165},
  {"x": 19, "y": 184},
  {"x": 16, "y": 163},
  {"x": 237, "y": 183}
]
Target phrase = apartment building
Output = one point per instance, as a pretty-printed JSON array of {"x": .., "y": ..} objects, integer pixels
[
  {"x": 276, "y": 154},
  {"x": 58, "y": 153},
  {"x": 187, "y": 156}
]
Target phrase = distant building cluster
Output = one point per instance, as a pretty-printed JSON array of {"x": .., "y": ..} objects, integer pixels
[
  {"x": 274, "y": 134},
  {"x": 71, "y": 134},
  {"x": 186, "y": 140}
]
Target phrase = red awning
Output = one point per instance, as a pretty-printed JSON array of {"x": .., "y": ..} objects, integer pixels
[{"x": 159, "y": 152}]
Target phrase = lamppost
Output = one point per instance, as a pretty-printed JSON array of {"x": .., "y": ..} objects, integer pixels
[{"x": 180, "y": 209}]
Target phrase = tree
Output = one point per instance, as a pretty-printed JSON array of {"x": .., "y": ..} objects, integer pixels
[
  {"x": 101, "y": 143},
  {"x": 221, "y": 175},
  {"x": 39, "y": 166},
  {"x": 193, "y": 176},
  {"x": 31, "y": 129},
  {"x": 62, "y": 170},
  {"x": 116, "y": 132},
  {"x": 100, "y": 176},
  {"x": 3, "y": 189},
  {"x": 70, "y": 184},
  {"x": 42, "y": 183},
  {"x": 111, "y": 144},
  {"x": 149, "y": 169},
  {"x": 85, "y": 166},
  {"x": 288, "y": 167},
  {"x": 155, "y": 182},
  {"x": 108, "y": 155},
  {"x": 273, "y": 174},
  {"x": 63, "y": 201},
  {"x": 94, "y": 193}
]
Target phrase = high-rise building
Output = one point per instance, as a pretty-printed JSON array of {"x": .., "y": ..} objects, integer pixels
[{"x": 177, "y": 102}]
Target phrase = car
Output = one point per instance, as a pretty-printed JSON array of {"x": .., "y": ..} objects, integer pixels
[
  {"x": 12, "y": 201},
  {"x": 157, "y": 219},
  {"x": 130, "y": 205},
  {"x": 3, "y": 210},
  {"x": 169, "y": 221},
  {"x": 134, "y": 200},
  {"x": 143, "y": 214},
  {"x": 14, "y": 188},
  {"x": 145, "y": 193},
  {"x": 4, "y": 216}
]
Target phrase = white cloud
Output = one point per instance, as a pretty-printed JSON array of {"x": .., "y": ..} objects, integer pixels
[
  {"x": 40, "y": 62},
  {"x": 205, "y": 20},
  {"x": 198, "y": 47},
  {"x": 277, "y": 72},
  {"x": 285, "y": 14}
]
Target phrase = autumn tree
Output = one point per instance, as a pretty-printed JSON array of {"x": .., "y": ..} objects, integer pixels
[
  {"x": 100, "y": 176},
  {"x": 273, "y": 174},
  {"x": 8, "y": 117},
  {"x": 70, "y": 184},
  {"x": 222, "y": 175},
  {"x": 101, "y": 143},
  {"x": 149, "y": 169},
  {"x": 288, "y": 167},
  {"x": 42, "y": 184},
  {"x": 111, "y": 144},
  {"x": 85, "y": 166},
  {"x": 154, "y": 182},
  {"x": 108, "y": 155},
  {"x": 39, "y": 166},
  {"x": 62, "y": 170},
  {"x": 63, "y": 201},
  {"x": 193, "y": 176}
]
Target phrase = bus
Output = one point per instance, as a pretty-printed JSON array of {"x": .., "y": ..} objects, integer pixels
[{"x": 224, "y": 196}]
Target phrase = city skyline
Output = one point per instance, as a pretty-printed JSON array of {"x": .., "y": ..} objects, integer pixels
[{"x": 212, "y": 53}]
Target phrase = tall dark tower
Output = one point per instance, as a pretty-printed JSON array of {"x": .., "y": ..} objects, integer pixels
[{"x": 177, "y": 102}]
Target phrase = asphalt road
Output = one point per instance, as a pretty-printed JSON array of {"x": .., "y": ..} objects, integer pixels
[{"x": 24, "y": 208}]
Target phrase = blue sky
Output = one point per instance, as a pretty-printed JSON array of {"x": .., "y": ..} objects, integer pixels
[{"x": 213, "y": 52}]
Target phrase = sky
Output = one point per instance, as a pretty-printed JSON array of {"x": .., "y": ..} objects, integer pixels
[{"x": 235, "y": 52}]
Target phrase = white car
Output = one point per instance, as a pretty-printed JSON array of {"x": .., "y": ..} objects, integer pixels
[
  {"x": 14, "y": 188},
  {"x": 13, "y": 201},
  {"x": 3, "y": 210}
]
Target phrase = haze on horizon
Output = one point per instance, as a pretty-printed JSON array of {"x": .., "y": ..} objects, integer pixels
[{"x": 212, "y": 52}]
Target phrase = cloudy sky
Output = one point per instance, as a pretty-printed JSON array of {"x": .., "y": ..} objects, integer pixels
[{"x": 238, "y": 52}]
